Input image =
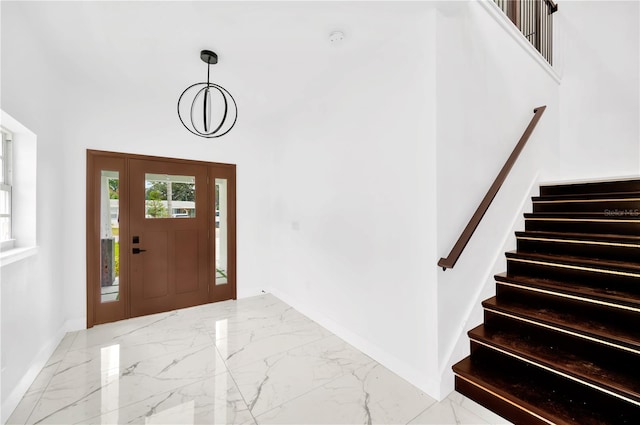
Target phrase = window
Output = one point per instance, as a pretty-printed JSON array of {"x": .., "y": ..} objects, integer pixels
[
  {"x": 169, "y": 196},
  {"x": 5, "y": 187},
  {"x": 18, "y": 163}
]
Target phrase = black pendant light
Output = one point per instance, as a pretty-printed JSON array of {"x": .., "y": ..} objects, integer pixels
[{"x": 207, "y": 109}]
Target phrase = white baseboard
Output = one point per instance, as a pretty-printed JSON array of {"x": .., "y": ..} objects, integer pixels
[
  {"x": 415, "y": 377},
  {"x": 251, "y": 292},
  {"x": 11, "y": 402}
]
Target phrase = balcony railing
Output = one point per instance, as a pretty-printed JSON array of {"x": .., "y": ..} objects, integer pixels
[{"x": 534, "y": 18}]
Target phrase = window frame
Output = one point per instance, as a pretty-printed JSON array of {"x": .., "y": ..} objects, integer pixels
[
  {"x": 6, "y": 154},
  {"x": 23, "y": 175}
]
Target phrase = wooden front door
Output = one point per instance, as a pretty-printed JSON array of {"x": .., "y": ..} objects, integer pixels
[
  {"x": 160, "y": 235},
  {"x": 169, "y": 234}
]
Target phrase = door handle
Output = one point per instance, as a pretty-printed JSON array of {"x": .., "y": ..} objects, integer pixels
[{"x": 138, "y": 250}]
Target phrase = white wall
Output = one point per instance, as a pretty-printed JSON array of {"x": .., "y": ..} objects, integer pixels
[
  {"x": 354, "y": 192},
  {"x": 149, "y": 126},
  {"x": 598, "y": 57},
  {"x": 32, "y": 290},
  {"x": 487, "y": 87}
]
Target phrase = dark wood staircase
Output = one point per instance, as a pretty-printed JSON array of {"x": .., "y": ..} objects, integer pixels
[{"x": 560, "y": 342}]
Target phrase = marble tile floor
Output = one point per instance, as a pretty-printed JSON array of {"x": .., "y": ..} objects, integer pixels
[{"x": 252, "y": 361}]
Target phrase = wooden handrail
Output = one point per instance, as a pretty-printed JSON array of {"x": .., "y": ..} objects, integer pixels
[
  {"x": 450, "y": 261},
  {"x": 553, "y": 7}
]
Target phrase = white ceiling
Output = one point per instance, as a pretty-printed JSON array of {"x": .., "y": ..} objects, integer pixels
[{"x": 273, "y": 52}]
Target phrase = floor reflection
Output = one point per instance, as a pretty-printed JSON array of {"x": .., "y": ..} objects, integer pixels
[
  {"x": 220, "y": 390},
  {"x": 110, "y": 391}
]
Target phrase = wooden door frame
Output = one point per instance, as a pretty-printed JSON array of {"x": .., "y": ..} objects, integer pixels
[
  {"x": 93, "y": 224},
  {"x": 94, "y": 164}
]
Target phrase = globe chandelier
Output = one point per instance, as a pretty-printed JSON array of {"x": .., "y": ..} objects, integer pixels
[{"x": 207, "y": 109}]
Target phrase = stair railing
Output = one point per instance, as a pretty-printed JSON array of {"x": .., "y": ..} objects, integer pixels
[
  {"x": 463, "y": 240},
  {"x": 534, "y": 19}
]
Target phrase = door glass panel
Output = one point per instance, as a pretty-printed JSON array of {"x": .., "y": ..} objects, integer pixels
[
  {"x": 109, "y": 236},
  {"x": 170, "y": 196},
  {"x": 221, "y": 231}
]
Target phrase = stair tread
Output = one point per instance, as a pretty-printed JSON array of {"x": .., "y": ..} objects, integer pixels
[
  {"x": 587, "y": 196},
  {"x": 626, "y": 224},
  {"x": 623, "y": 266},
  {"x": 586, "y": 216},
  {"x": 595, "y": 237},
  {"x": 594, "y": 371},
  {"x": 506, "y": 388},
  {"x": 600, "y": 293},
  {"x": 574, "y": 322},
  {"x": 620, "y": 215},
  {"x": 624, "y": 179},
  {"x": 607, "y": 186},
  {"x": 546, "y": 398}
]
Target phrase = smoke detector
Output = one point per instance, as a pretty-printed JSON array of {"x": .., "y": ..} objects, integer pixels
[{"x": 336, "y": 37}]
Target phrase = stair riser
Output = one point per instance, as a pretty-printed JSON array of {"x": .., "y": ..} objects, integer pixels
[
  {"x": 618, "y": 207},
  {"x": 574, "y": 396},
  {"x": 557, "y": 272},
  {"x": 580, "y": 249},
  {"x": 588, "y": 188},
  {"x": 580, "y": 348},
  {"x": 614, "y": 227},
  {"x": 495, "y": 404},
  {"x": 499, "y": 318},
  {"x": 616, "y": 297},
  {"x": 609, "y": 311},
  {"x": 559, "y": 370}
]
